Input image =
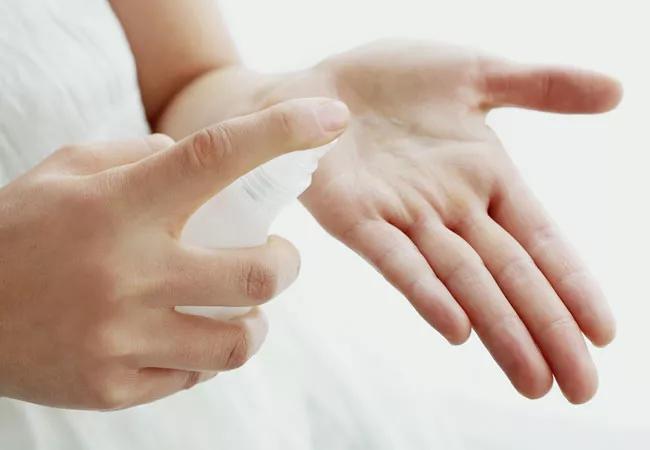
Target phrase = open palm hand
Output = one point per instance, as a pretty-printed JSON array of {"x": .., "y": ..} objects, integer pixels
[{"x": 422, "y": 188}]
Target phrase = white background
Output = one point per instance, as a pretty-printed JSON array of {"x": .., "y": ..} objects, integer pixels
[{"x": 591, "y": 172}]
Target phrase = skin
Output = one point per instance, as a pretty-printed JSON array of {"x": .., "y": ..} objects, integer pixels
[
  {"x": 422, "y": 188},
  {"x": 92, "y": 267},
  {"x": 419, "y": 185}
]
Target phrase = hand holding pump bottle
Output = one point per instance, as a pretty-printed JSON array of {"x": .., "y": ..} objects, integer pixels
[{"x": 240, "y": 215}]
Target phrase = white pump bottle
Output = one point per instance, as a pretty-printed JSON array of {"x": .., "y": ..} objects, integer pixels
[{"x": 241, "y": 214}]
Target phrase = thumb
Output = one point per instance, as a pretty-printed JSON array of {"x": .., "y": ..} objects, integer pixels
[
  {"x": 181, "y": 179},
  {"x": 552, "y": 89}
]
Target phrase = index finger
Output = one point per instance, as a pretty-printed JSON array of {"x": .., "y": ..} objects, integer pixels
[{"x": 182, "y": 178}]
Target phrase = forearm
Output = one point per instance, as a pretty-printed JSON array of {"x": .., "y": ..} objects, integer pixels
[
  {"x": 235, "y": 90},
  {"x": 174, "y": 42},
  {"x": 189, "y": 72},
  {"x": 214, "y": 96}
]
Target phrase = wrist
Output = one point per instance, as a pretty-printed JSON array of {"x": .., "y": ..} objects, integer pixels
[
  {"x": 317, "y": 81},
  {"x": 235, "y": 90}
]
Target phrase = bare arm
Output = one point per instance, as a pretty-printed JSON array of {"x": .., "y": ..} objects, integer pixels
[
  {"x": 419, "y": 185},
  {"x": 175, "y": 42}
]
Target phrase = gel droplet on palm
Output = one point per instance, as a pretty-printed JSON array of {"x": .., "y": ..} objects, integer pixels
[{"x": 241, "y": 214}]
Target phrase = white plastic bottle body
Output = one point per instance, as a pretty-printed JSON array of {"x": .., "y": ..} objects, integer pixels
[{"x": 241, "y": 214}]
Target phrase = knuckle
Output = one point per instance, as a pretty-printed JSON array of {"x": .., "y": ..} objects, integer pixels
[
  {"x": 462, "y": 215},
  {"x": 260, "y": 282},
  {"x": 557, "y": 325},
  {"x": 542, "y": 237},
  {"x": 86, "y": 202},
  {"x": 516, "y": 271},
  {"x": 69, "y": 153},
  {"x": 111, "y": 396},
  {"x": 283, "y": 120},
  {"x": 111, "y": 399},
  {"x": 193, "y": 378},
  {"x": 160, "y": 140},
  {"x": 105, "y": 389},
  {"x": 390, "y": 256},
  {"x": 238, "y": 352},
  {"x": 74, "y": 159},
  {"x": 414, "y": 283},
  {"x": 209, "y": 146},
  {"x": 573, "y": 279},
  {"x": 109, "y": 343},
  {"x": 505, "y": 324},
  {"x": 464, "y": 272}
]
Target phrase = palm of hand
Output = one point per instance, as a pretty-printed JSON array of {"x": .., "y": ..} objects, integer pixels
[{"x": 422, "y": 188}]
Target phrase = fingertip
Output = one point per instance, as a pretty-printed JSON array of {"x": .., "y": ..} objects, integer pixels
[
  {"x": 579, "y": 383},
  {"x": 460, "y": 333},
  {"x": 206, "y": 376},
  {"x": 524, "y": 365},
  {"x": 605, "y": 335},
  {"x": 536, "y": 385},
  {"x": 292, "y": 253},
  {"x": 537, "y": 393},
  {"x": 608, "y": 95},
  {"x": 600, "y": 324},
  {"x": 333, "y": 116},
  {"x": 274, "y": 239},
  {"x": 309, "y": 122},
  {"x": 597, "y": 322},
  {"x": 580, "y": 400},
  {"x": 159, "y": 141},
  {"x": 257, "y": 328},
  {"x": 618, "y": 91},
  {"x": 438, "y": 307},
  {"x": 555, "y": 89},
  {"x": 583, "y": 390}
]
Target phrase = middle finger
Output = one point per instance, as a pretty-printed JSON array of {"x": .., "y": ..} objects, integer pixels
[
  {"x": 495, "y": 321},
  {"x": 532, "y": 296}
]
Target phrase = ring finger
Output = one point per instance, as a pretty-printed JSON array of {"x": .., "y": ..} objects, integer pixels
[
  {"x": 532, "y": 296},
  {"x": 493, "y": 318}
]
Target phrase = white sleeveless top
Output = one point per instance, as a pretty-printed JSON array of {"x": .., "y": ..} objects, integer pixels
[{"x": 67, "y": 76}]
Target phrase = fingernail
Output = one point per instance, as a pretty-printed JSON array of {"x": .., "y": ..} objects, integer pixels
[
  {"x": 257, "y": 329},
  {"x": 159, "y": 141},
  {"x": 205, "y": 376},
  {"x": 333, "y": 115}
]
